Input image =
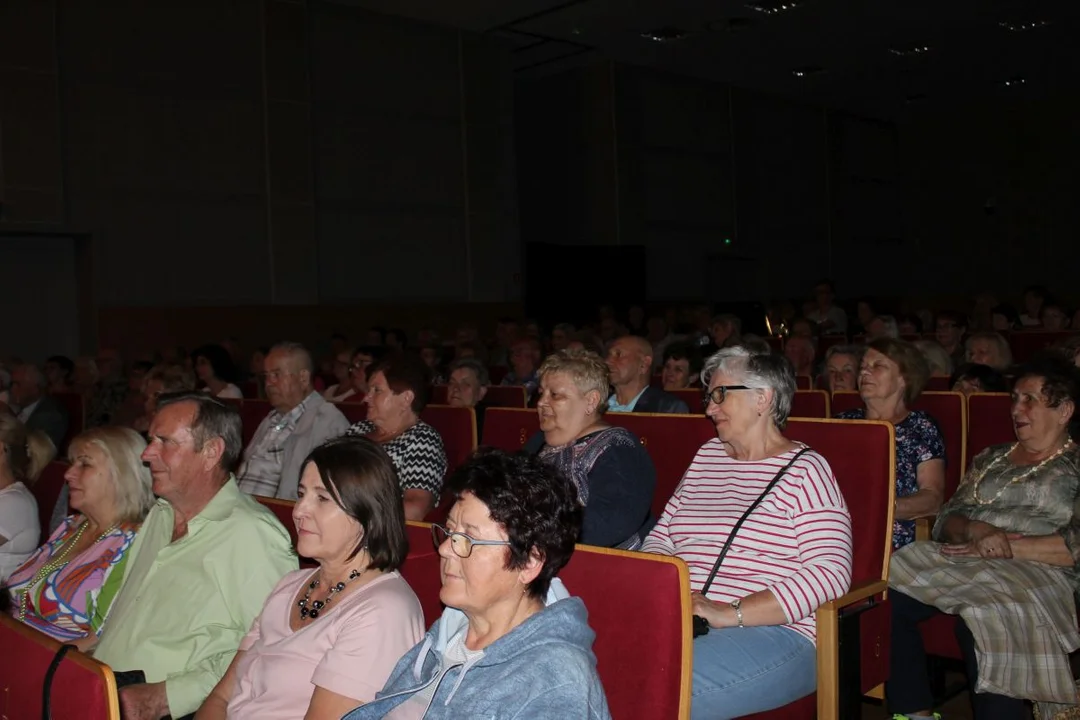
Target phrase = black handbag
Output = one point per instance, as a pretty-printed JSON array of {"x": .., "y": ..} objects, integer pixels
[{"x": 701, "y": 625}]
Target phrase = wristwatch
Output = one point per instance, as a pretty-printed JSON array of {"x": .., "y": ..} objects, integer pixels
[{"x": 736, "y": 605}]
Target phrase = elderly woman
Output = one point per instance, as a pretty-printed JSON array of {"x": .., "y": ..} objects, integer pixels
[
  {"x": 66, "y": 588},
  {"x": 1004, "y": 560},
  {"x": 989, "y": 348},
  {"x": 891, "y": 378},
  {"x": 939, "y": 362},
  {"x": 792, "y": 554},
  {"x": 343, "y": 389},
  {"x": 614, "y": 475},
  {"x": 842, "y": 367},
  {"x": 216, "y": 372},
  {"x": 469, "y": 383},
  {"x": 397, "y": 392},
  {"x": 23, "y": 455},
  {"x": 326, "y": 640},
  {"x": 682, "y": 366},
  {"x": 511, "y": 643}
]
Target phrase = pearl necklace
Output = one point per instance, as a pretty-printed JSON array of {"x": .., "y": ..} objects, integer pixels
[
  {"x": 318, "y": 605},
  {"x": 57, "y": 563},
  {"x": 1016, "y": 480}
]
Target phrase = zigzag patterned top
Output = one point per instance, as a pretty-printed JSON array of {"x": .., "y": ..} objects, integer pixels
[{"x": 418, "y": 455}]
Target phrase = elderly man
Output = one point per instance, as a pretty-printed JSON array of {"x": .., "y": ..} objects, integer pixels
[
  {"x": 204, "y": 561},
  {"x": 629, "y": 361},
  {"x": 38, "y": 411},
  {"x": 524, "y": 362},
  {"x": 300, "y": 421},
  {"x": 469, "y": 382}
]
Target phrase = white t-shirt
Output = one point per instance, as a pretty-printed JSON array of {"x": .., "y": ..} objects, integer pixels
[
  {"x": 230, "y": 391},
  {"x": 19, "y": 524}
]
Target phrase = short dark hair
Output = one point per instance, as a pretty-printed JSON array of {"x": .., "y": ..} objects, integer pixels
[
  {"x": 220, "y": 360},
  {"x": 64, "y": 363},
  {"x": 535, "y": 504},
  {"x": 405, "y": 372},
  {"x": 989, "y": 379},
  {"x": 1061, "y": 378},
  {"x": 213, "y": 418},
  {"x": 685, "y": 351},
  {"x": 363, "y": 482},
  {"x": 398, "y": 333},
  {"x": 958, "y": 319}
]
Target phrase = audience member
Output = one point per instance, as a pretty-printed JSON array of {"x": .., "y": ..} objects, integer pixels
[
  {"x": 1070, "y": 348},
  {"x": 909, "y": 325},
  {"x": 799, "y": 350},
  {"x": 215, "y": 370},
  {"x": 865, "y": 312},
  {"x": 109, "y": 391},
  {"x": 937, "y": 359},
  {"x": 1034, "y": 297},
  {"x": 37, "y": 409},
  {"x": 67, "y": 587},
  {"x": 1004, "y": 319},
  {"x": 682, "y": 366},
  {"x": 793, "y": 554},
  {"x": 469, "y": 382},
  {"x": 524, "y": 360},
  {"x": 1054, "y": 317},
  {"x": 160, "y": 380},
  {"x": 614, "y": 474},
  {"x": 525, "y": 643},
  {"x": 326, "y": 640},
  {"x": 803, "y": 327},
  {"x": 891, "y": 378},
  {"x": 396, "y": 339},
  {"x": 299, "y": 422},
  {"x": 842, "y": 367},
  {"x": 205, "y": 559},
  {"x": 725, "y": 329},
  {"x": 431, "y": 354},
  {"x": 257, "y": 362},
  {"x": 23, "y": 455},
  {"x": 1003, "y": 562},
  {"x": 59, "y": 374},
  {"x": 397, "y": 393},
  {"x": 974, "y": 378},
  {"x": 830, "y": 318},
  {"x": 989, "y": 348},
  {"x": 343, "y": 389},
  {"x": 882, "y": 326},
  {"x": 560, "y": 336},
  {"x": 629, "y": 362}
]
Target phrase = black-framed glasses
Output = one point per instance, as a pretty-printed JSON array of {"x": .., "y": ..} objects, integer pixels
[
  {"x": 719, "y": 393},
  {"x": 460, "y": 543}
]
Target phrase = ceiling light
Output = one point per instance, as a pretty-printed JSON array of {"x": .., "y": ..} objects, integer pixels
[
  {"x": 773, "y": 7},
  {"x": 664, "y": 34},
  {"x": 910, "y": 50},
  {"x": 807, "y": 71},
  {"x": 1023, "y": 26},
  {"x": 1014, "y": 81}
]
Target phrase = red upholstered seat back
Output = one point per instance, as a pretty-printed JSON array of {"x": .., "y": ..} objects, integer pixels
[
  {"x": 639, "y": 608},
  {"x": 354, "y": 412},
  {"x": 950, "y": 411},
  {"x": 76, "y": 412},
  {"x": 989, "y": 422},
  {"x": 457, "y": 428},
  {"x": 82, "y": 687},
  {"x": 810, "y": 404},
  {"x": 802, "y": 382},
  {"x": 508, "y": 428},
  {"x": 511, "y": 396},
  {"x": 1026, "y": 344},
  {"x": 282, "y": 509},
  {"x": 938, "y": 384},
  {"x": 439, "y": 394},
  {"x": 46, "y": 492},
  {"x": 844, "y": 400},
  {"x": 672, "y": 442},
  {"x": 421, "y": 570},
  {"x": 692, "y": 398},
  {"x": 252, "y": 413}
]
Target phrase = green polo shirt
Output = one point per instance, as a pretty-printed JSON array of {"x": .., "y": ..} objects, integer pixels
[{"x": 185, "y": 605}]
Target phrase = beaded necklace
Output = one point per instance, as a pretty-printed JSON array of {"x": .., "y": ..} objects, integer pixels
[
  {"x": 57, "y": 562},
  {"x": 318, "y": 605},
  {"x": 1016, "y": 480}
]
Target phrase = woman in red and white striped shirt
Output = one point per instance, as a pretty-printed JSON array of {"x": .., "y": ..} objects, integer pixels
[{"x": 791, "y": 555}]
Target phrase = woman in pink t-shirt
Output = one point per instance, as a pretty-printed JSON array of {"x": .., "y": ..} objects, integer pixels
[{"x": 327, "y": 639}]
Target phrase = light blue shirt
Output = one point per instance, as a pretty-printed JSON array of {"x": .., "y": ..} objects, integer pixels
[{"x": 614, "y": 406}]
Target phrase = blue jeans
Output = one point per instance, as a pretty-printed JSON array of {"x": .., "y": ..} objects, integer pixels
[{"x": 740, "y": 671}]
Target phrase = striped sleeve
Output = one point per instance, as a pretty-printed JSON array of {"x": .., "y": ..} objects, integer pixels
[
  {"x": 822, "y": 527},
  {"x": 659, "y": 540}
]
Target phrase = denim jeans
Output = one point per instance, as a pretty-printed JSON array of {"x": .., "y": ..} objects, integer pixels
[{"x": 740, "y": 671}]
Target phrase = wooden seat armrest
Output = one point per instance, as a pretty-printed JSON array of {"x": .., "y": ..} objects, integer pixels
[
  {"x": 859, "y": 591},
  {"x": 828, "y": 643},
  {"x": 923, "y": 527}
]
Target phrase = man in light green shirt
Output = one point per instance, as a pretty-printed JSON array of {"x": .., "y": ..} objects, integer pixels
[{"x": 201, "y": 567}]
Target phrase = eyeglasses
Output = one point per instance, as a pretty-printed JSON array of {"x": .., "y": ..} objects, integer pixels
[
  {"x": 460, "y": 543},
  {"x": 719, "y": 393}
]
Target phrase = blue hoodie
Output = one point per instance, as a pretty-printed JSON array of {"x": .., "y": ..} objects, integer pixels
[{"x": 541, "y": 669}]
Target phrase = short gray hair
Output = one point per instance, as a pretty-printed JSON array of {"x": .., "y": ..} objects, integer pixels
[
  {"x": 213, "y": 418},
  {"x": 471, "y": 363},
  {"x": 856, "y": 351},
  {"x": 761, "y": 371},
  {"x": 298, "y": 353},
  {"x": 587, "y": 371}
]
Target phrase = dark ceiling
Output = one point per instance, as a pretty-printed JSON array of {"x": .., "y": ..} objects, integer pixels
[{"x": 872, "y": 56}]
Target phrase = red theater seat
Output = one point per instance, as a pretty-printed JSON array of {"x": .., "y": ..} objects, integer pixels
[
  {"x": 950, "y": 410},
  {"x": 938, "y": 384},
  {"x": 82, "y": 687},
  {"x": 1026, "y": 344},
  {"x": 457, "y": 428},
  {"x": 46, "y": 492},
  {"x": 76, "y": 412},
  {"x": 989, "y": 422},
  {"x": 810, "y": 404},
  {"x": 421, "y": 570},
  {"x": 692, "y": 398},
  {"x": 509, "y": 429},
  {"x": 252, "y": 413},
  {"x": 803, "y": 382},
  {"x": 844, "y": 400}
]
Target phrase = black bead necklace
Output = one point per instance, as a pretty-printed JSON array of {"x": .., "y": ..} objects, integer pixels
[{"x": 318, "y": 605}]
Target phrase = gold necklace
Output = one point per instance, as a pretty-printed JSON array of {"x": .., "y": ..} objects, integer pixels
[
  {"x": 1016, "y": 480},
  {"x": 56, "y": 563}
]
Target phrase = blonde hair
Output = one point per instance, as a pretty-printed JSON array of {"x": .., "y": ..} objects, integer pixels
[
  {"x": 1004, "y": 351},
  {"x": 131, "y": 479},
  {"x": 585, "y": 368},
  {"x": 26, "y": 452}
]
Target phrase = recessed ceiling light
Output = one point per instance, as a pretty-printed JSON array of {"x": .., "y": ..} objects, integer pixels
[
  {"x": 807, "y": 71},
  {"x": 910, "y": 50},
  {"x": 773, "y": 7},
  {"x": 664, "y": 34},
  {"x": 1014, "y": 81},
  {"x": 1023, "y": 26}
]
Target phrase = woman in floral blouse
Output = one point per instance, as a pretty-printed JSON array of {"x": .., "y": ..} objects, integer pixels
[{"x": 66, "y": 588}]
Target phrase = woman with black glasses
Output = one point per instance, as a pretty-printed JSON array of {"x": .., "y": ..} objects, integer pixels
[
  {"x": 791, "y": 554},
  {"x": 512, "y": 642}
]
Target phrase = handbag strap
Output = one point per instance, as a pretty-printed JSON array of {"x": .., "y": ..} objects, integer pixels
[{"x": 739, "y": 524}]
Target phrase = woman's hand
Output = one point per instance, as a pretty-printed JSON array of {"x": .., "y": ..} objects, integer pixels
[
  {"x": 711, "y": 611},
  {"x": 990, "y": 544}
]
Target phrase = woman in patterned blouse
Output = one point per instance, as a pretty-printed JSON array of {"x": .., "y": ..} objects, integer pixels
[
  {"x": 398, "y": 390},
  {"x": 891, "y": 377},
  {"x": 66, "y": 588}
]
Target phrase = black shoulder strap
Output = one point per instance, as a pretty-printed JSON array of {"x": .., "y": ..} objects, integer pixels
[
  {"x": 739, "y": 524},
  {"x": 46, "y": 699}
]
